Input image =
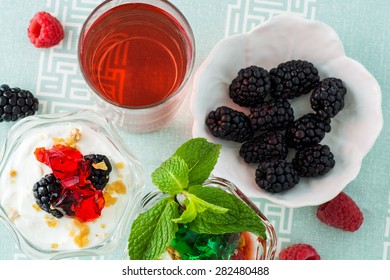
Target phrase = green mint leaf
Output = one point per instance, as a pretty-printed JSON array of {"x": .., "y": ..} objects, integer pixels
[
  {"x": 172, "y": 176},
  {"x": 239, "y": 218},
  {"x": 153, "y": 231},
  {"x": 202, "y": 205},
  {"x": 201, "y": 157},
  {"x": 188, "y": 215},
  {"x": 195, "y": 205}
]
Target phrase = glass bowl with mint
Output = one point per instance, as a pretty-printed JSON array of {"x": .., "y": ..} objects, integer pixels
[{"x": 195, "y": 216}]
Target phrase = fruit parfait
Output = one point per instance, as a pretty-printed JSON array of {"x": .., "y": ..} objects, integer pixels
[
  {"x": 69, "y": 186},
  {"x": 195, "y": 216}
]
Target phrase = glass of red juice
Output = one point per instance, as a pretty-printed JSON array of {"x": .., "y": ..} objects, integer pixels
[{"x": 137, "y": 57}]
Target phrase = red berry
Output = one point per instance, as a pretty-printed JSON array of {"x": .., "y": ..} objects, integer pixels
[
  {"x": 299, "y": 252},
  {"x": 45, "y": 31},
  {"x": 341, "y": 212}
]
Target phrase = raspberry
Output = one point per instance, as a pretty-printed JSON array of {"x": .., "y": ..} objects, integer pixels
[
  {"x": 341, "y": 212},
  {"x": 45, "y": 31},
  {"x": 299, "y": 252}
]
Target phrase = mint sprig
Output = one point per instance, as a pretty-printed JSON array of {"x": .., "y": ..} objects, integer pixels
[{"x": 204, "y": 209}]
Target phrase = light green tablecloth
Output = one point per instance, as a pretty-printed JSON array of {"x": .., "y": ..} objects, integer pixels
[{"x": 363, "y": 26}]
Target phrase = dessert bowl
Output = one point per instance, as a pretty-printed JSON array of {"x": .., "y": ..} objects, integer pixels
[
  {"x": 283, "y": 38},
  {"x": 256, "y": 248},
  {"x": 41, "y": 235}
]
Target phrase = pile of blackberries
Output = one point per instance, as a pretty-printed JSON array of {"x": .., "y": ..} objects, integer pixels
[{"x": 270, "y": 130}]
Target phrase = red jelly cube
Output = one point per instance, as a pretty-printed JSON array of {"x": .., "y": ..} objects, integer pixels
[
  {"x": 90, "y": 207},
  {"x": 82, "y": 202},
  {"x": 67, "y": 164}
]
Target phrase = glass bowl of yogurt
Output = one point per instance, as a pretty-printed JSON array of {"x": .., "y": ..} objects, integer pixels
[
  {"x": 69, "y": 186},
  {"x": 188, "y": 245}
]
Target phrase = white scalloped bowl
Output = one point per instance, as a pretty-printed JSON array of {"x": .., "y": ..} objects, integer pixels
[{"x": 354, "y": 130}]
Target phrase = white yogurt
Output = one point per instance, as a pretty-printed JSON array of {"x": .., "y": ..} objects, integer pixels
[{"x": 23, "y": 170}]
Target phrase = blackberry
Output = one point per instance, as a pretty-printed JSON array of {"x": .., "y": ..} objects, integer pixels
[
  {"x": 46, "y": 192},
  {"x": 67, "y": 202},
  {"x": 250, "y": 87},
  {"x": 270, "y": 145},
  {"x": 328, "y": 97},
  {"x": 16, "y": 103},
  {"x": 229, "y": 124},
  {"x": 275, "y": 114},
  {"x": 307, "y": 131},
  {"x": 275, "y": 176},
  {"x": 100, "y": 170},
  {"x": 293, "y": 78},
  {"x": 313, "y": 161}
]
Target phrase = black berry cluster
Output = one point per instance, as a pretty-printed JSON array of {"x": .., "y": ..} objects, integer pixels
[
  {"x": 16, "y": 103},
  {"x": 313, "y": 161},
  {"x": 276, "y": 175},
  {"x": 229, "y": 124},
  {"x": 100, "y": 170},
  {"x": 307, "y": 131},
  {"x": 270, "y": 130},
  {"x": 269, "y": 145},
  {"x": 251, "y": 86},
  {"x": 293, "y": 78},
  {"x": 46, "y": 191}
]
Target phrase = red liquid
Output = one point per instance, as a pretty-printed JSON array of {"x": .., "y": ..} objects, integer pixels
[{"x": 135, "y": 55}]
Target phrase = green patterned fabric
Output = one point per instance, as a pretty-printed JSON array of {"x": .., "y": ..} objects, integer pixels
[{"x": 53, "y": 75}]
